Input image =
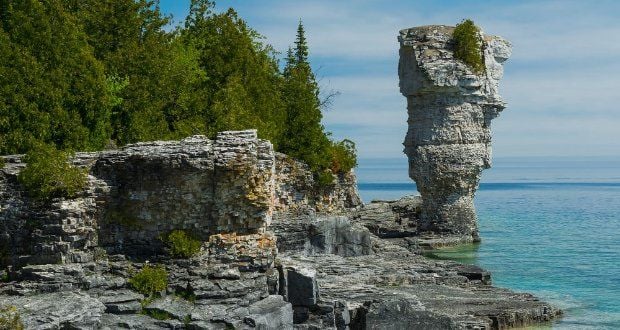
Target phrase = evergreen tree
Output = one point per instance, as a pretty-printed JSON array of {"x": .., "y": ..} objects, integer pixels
[
  {"x": 53, "y": 89},
  {"x": 76, "y": 73},
  {"x": 161, "y": 97},
  {"x": 242, "y": 86},
  {"x": 301, "y": 45},
  {"x": 468, "y": 45},
  {"x": 304, "y": 136}
]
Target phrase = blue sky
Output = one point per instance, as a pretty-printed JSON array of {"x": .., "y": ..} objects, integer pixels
[{"x": 561, "y": 83}]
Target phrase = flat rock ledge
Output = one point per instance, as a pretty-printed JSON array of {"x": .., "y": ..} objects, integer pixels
[{"x": 389, "y": 284}]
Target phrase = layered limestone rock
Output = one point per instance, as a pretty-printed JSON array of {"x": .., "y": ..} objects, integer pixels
[
  {"x": 231, "y": 184},
  {"x": 450, "y": 108},
  {"x": 277, "y": 250}
]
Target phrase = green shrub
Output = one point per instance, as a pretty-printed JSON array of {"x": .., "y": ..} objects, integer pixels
[
  {"x": 188, "y": 295},
  {"x": 468, "y": 45},
  {"x": 157, "y": 314},
  {"x": 344, "y": 156},
  {"x": 2, "y": 162},
  {"x": 48, "y": 174},
  {"x": 10, "y": 319},
  {"x": 324, "y": 178},
  {"x": 182, "y": 244},
  {"x": 150, "y": 280}
]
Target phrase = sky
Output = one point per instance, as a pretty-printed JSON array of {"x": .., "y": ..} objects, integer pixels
[{"x": 561, "y": 84}]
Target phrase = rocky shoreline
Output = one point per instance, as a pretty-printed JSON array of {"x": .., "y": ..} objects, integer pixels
[
  {"x": 276, "y": 251},
  {"x": 317, "y": 271},
  {"x": 260, "y": 244}
]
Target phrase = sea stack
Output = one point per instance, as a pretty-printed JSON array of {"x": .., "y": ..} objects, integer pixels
[{"x": 450, "y": 109}]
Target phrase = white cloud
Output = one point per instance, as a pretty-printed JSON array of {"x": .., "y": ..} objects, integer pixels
[{"x": 561, "y": 82}]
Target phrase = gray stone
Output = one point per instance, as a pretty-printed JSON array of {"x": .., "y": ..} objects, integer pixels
[
  {"x": 175, "y": 307},
  {"x": 301, "y": 286},
  {"x": 337, "y": 235},
  {"x": 57, "y": 310},
  {"x": 402, "y": 314},
  {"x": 450, "y": 111},
  {"x": 247, "y": 207},
  {"x": 136, "y": 194},
  {"x": 391, "y": 219},
  {"x": 270, "y": 313},
  {"x": 297, "y": 192},
  {"x": 132, "y": 321},
  {"x": 129, "y": 307},
  {"x": 320, "y": 233}
]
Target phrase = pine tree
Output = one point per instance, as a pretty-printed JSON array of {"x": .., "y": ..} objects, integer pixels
[
  {"x": 301, "y": 45},
  {"x": 161, "y": 97},
  {"x": 304, "y": 137}
]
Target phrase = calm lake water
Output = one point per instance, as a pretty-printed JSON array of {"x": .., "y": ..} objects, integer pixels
[{"x": 548, "y": 226}]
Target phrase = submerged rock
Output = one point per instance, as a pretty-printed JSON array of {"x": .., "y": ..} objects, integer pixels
[{"x": 450, "y": 110}]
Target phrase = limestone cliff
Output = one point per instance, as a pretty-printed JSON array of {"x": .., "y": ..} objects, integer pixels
[
  {"x": 450, "y": 108},
  {"x": 231, "y": 184}
]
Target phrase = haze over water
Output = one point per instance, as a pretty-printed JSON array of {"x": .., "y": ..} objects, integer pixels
[{"x": 549, "y": 226}]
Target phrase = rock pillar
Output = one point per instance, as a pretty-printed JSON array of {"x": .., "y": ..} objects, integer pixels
[{"x": 450, "y": 109}]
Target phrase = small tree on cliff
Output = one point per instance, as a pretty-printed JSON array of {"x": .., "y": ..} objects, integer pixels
[
  {"x": 303, "y": 137},
  {"x": 468, "y": 45}
]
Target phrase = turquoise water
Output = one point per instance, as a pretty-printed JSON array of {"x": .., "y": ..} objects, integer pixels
[{"x": 549, "y": 226}]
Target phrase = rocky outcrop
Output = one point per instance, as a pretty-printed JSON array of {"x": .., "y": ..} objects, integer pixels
[
  {"x": 389, "y": 286},
  {"x": 297, "y": 192},
  {"x": 277, "y": 251},
  {"x": 450, "y": 111},
  {"x": 231, "y": 184}
]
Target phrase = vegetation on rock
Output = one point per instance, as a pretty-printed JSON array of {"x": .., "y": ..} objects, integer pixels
[
  {"x": 304, "y": 136},
  {"x": 49, "y": 174},
  {"x": 80, "y": 75},
  {"x": 150, "y": 280},
  {"x": 468, "y": 45},
  {"x": 157, "y": 314},
  {"x": 10, "y": 319},
  {"x": 344, "y": 156},
  {"x": 182, "y": 244}
]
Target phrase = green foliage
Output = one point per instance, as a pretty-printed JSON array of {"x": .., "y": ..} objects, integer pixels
[
  {"x": 243, "y": 86},
  {"x": 304, "y": 137},
  {"x": 52, "y": 89},
  {"x": 182, "y": 244},
  {"x": 115, "y": 86},
  {"x": 10, "y": 319},
  {"x": 157, "y": 314},
  {"x": 324, "y": 178},
  {"x": 150, "y": 280},
  {"x": 49, "y": 174},
  {"x": 123, "y": 217},
  {"x": 80, "y": 75},
  {"x": 188, "y": 295},
  {"x": 2, "y": 162},
  {"x": 468, "y": 45},
  {"x": 344, "y": 156}
]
